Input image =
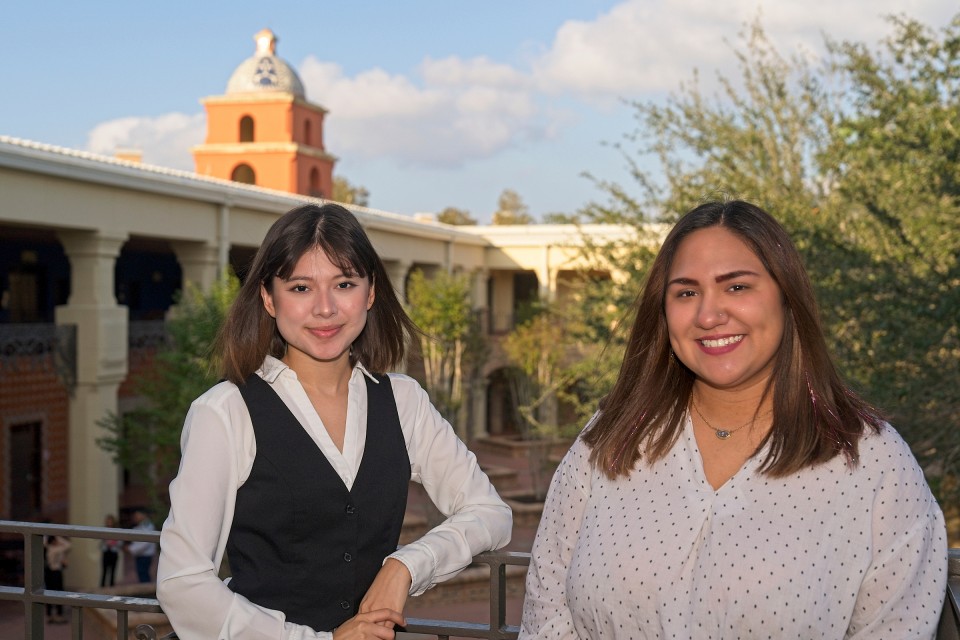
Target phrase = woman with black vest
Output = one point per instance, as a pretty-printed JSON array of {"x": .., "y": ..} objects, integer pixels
[{"x": 297, "y": 465}]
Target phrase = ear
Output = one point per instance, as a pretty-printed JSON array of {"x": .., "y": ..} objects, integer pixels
[
  {"x": 371, "y": 296},
  {"x": 267, "y": 301}
]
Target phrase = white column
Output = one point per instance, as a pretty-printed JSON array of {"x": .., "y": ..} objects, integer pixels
[
  {"x": 101, "y": 367},
  {"x": 547, "y": 277},
  {"x": 478, "y": 401},
  {"x": 200, "y": 263},
  {"x": 397, "y": 270}
]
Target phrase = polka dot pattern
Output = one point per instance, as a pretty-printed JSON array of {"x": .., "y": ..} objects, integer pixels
[{"x": 835, "y": 551}]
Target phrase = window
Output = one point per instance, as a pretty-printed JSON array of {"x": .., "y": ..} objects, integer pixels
[
  {"x": 244, "y": 173},
  {"x": 307, "y": 134},
  {"x": 314, "y": 188},
  {"x": 246, "y": 129}
]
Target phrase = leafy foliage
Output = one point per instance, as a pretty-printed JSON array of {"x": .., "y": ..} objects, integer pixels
[
  {"x": 347, "y": 193},
  {"x": 147, "y": 438},
  {"x": 511, "y": 209},
  {"x": 455, "y": 216},
  {"x": 440, "y": 307}
]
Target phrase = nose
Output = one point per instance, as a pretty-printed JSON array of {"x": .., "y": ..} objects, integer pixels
[
  {"x": 324, "y": 304},
  {"x": 711, "y": 312}
]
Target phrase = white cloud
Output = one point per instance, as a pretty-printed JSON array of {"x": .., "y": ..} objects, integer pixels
[
  {"x": 650, "y": 46},
  {"x": 165, "y": 140},
  {"x": 461, "y": 110}
]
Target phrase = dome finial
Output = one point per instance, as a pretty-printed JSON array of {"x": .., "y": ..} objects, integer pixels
[
  {"x": 266, "y": 42},
  {"x": 265, "y": 71}
]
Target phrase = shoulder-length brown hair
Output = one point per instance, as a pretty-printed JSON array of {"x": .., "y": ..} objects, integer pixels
[
  {"x": 815, "y": 416},
  {"x": 249, "y": 333}
]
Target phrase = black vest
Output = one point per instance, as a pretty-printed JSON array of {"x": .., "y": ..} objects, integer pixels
[{"x": 301, "y": 543}]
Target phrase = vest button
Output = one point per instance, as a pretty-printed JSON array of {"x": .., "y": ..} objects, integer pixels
[
  {"x": 347, "y": 557},
  {"x": 351, "y": 509},
  {"x": 344, "y": 604}
]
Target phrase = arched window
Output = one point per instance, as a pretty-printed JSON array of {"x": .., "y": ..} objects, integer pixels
[
  {"x": 244, "y": 173},
  {"x": 246, "y": 129},
  {"x": 307, "y": 134},
  {"x": 314, "y": 188}
]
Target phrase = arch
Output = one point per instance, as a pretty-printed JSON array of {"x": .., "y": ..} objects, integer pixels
[
  {"x": 502, "y": 416},
  {"x": 246, "y": 129},
  {"x": 244, "y": 173},
  {"x": 313, "y": 185}
]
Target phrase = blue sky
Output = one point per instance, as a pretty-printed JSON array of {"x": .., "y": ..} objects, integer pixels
[{"x": 432, "y": 104}]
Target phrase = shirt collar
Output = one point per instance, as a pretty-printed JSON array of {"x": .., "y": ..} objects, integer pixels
[{"x": 272, "y": 367}]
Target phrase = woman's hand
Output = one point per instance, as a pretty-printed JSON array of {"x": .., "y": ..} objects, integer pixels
[
  {"x": 388, "y": 591},
  {"x": 366, "y": 626}
]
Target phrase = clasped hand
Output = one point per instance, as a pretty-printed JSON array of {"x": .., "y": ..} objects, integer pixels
[{"x": 382, "y": 607}]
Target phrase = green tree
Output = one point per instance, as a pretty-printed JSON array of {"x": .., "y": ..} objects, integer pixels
[
  {"x": 537, "y": 351},
  {"x": 896, "y": 146},
  {"x": 511, "y": 209},
  {"x": 347, "y": 193},
  {"x": 440, "y": 307},
  {"x": 455, "y": 216},
  {"x": 559, "y": 218},
  {"x": 148, "y": 438}
]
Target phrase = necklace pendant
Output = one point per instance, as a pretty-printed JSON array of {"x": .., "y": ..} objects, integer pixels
[{"x": 723, "y": 434}]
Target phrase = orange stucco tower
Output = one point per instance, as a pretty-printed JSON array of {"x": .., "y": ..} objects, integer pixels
[{"x": 263, "y": 131}]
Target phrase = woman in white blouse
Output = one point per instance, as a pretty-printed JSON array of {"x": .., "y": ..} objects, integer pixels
[
  {"x": 731, "y": 486},
  {"x": 296, "y": 466}
]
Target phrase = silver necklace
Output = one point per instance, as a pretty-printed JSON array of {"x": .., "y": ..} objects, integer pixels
[{"x": 724, "y": 434}]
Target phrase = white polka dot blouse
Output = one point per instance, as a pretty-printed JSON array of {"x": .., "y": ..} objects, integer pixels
[{"x": 835, "y": 551}]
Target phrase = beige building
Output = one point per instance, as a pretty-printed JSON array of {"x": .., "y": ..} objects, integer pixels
[{"x": 94, "y": 247}]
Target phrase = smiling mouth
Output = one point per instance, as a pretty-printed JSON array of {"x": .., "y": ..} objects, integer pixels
[{"x": 721, "y": 342}]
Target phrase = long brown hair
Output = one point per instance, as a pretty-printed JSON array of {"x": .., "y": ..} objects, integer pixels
[
  {"x": 815, "y": 415},
  {"x": 249, "y": 333}
]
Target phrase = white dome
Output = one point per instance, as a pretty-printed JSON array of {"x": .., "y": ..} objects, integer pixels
[{"x": 265, "y": 71}]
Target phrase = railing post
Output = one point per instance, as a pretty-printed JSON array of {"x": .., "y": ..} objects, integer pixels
[{"x": 33, "y": 583}]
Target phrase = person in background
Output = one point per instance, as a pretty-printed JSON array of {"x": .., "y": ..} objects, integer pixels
[
  {"x": 109, "y": 552},
  {"x": 297, "y": 466},
  {"x": 731, "y": 486},
  {"x": 56, "y": 549},
  {"x": 142, "y": 550}
]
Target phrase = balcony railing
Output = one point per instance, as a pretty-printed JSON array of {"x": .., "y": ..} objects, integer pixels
[
  {"x": 35, "y": 596},
  {"x": 27, "y": 539}
]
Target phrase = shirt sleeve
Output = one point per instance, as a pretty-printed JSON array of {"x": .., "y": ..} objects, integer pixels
[
  {"x": 903, "y": 590},
  {"x": 545, "y": 611},
  {"x": 197, "y": 602},
  {"x": 476, "y": 518}
]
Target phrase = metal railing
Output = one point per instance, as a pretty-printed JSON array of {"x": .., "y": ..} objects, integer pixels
[{"x": 35, "y": 596}]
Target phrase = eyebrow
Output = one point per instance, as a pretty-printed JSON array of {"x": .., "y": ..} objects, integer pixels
[
  {"x": 343, "y": 274},
  {"x": 723, "y": 277}
]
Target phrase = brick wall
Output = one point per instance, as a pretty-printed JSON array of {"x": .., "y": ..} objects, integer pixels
[{"x": 31, "y": 393}]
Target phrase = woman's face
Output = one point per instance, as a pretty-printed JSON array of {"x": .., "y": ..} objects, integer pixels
[
  {"x": 725, "y": 313},
  {"x": 319, "y": 309}
]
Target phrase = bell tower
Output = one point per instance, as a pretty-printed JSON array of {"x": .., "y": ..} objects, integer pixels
[{"x": 263, "y": 131}]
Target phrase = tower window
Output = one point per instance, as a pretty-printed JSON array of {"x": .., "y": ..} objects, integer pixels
[
  {"x": 315, "y": 190},
  {"x": 307, "y": 134},
  {"x": 246, "y": 129},
  {"x": 244, "y": 173}
]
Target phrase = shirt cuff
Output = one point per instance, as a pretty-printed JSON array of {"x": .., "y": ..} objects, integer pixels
[{"x": 420, "y": 561}]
